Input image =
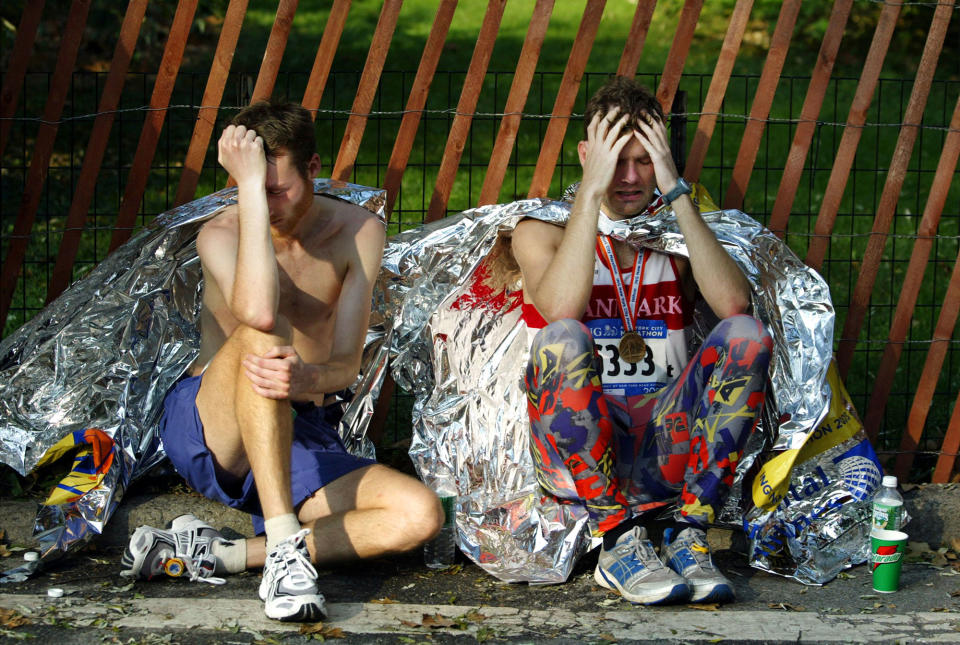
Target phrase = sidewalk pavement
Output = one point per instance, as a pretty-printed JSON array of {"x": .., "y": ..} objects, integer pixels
[{"x": 398, "y": 600}]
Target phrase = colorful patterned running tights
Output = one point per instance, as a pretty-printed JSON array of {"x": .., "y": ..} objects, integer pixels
[{"x": 622, "y": 456}]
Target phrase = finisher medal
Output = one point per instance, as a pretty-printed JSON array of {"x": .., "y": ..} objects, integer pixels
[{"x": 632, "y": 347}]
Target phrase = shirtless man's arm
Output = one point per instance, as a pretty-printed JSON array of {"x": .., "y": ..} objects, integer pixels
[
  {"x": 281, "y": 374},
  {"x": 557, "y": 263},
  {"x": 720, "y": 280}
]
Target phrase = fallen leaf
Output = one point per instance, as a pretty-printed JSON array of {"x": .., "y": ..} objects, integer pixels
[
  {"x": 705, "y": 606},
  {"x": 384, "y": 601},
  {"x": 409, "y": 623},
  {"x": 437, "y": 620},
  {"x": 321, "y": 630},
  {"x": 12, "y": 618},
  {"x": 610, "y": 638},
  {"x": 475, "y": 616},
  {"x": 955, "y": 544},
  {"x": 954, "y": 594},
  {"x": 5, "y": 552}
]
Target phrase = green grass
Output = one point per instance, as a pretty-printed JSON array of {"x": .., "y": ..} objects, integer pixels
[{"x": 855, "y": 217}]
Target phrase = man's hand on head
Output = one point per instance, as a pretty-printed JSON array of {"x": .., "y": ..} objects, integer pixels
[
  {"x": 653, "y": 137},
  {"x": 280, "y": 373},
  {"x": 602, "y": 149},
  {"x": 240, "y": 152}
]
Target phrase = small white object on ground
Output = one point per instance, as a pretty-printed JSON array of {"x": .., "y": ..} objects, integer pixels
[
  {"x": 31, "y": 556},
  {"x": 55, "y": 592}
]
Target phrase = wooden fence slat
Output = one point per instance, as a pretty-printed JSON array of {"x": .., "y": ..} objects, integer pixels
[
  {"x": 682, "y": 39},
  {"x": 43, "y": 149},
  {"x": 762, "y": 101},
  {"x": 153, "y": 123},
  {"x": 948, "y": 451},
  {"x": 516, "y": 100},
  {"x": 17, "y": 67},
  {"x": 847, "y": 150},
  {"x": 913, "y": 117},
  {"x": 460, "y": 128},
  {"x": 332, "y": 32},
  {"x": 210, "y": 104},
  {"x": 909, "y": 292},
  {"x": 350, "y": 144},
  {"x": 816, "y": 91},
  {"x": 273, "y": 54},
  {"x": 718, "y": 88},
  {"x": 96, "y": 147},
  {"x": 942, "y": 336},
  {"x": 633, "y": 47},
  {"x": 563, "y": 105},
  {"x": 407, "y": 133}
]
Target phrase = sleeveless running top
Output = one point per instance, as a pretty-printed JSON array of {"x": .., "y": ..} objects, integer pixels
[{"x": 662, "y": 318}]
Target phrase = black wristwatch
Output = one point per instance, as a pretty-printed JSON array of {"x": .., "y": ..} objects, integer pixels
[{"x": 682, "y": 188}]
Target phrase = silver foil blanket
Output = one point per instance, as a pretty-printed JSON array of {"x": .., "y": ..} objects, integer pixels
[
  {"x": 460, "y": 348},
  {"x": 103, "y": 355}
]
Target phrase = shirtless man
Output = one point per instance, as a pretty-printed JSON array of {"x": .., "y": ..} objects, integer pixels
[
  {"x": 622, "y": 420},
  {"x": 288, "y": 277}
]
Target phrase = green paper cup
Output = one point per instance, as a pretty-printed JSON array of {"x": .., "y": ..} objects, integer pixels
[{"x": 886, "y": 558}]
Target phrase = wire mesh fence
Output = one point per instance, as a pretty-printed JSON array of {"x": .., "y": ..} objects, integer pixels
[{"x": 855, "y": 217}]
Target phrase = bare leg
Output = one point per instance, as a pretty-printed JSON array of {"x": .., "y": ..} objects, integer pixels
[
  {"x": 369, "y": 512},
  {"x": 254, "y": 433}
]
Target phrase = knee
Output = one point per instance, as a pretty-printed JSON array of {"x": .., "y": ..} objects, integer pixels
[
  {"x": 420, "y": 517},
  {"x": 257, "y": 341},
  {"x": 573, "y": 335},
  {"x": 744, "y": 327}
]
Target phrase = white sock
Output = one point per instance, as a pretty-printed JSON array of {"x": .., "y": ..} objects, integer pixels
[
  {"x": 231, "y": 555},
  {"x": 280, "y": 527}
]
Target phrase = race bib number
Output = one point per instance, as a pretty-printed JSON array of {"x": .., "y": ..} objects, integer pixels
[{"x": 621, "y": 377}]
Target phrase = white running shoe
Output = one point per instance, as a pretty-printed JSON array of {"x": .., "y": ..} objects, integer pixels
[
  {"x": 183, "y": 549},
  {"x": 289, "y": 585}
]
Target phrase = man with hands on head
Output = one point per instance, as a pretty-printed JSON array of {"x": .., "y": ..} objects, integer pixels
[
  {"x": 288, "y": 277},
  {"x": 623, "y": 421}
]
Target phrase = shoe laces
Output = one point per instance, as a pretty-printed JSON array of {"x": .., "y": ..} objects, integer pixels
[
  {"x": 289, "y": 556},
  {"x": 698, "y": 549},
  {"x": 643, "y": 551}
]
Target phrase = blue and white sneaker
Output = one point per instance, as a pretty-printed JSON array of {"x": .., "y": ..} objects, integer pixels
[
  {"x": 689, "y": 555},
  {"x": 633, "y": 568}
]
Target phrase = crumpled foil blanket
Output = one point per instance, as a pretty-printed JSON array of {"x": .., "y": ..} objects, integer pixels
[
  {"x": 460, "y": 348},
  {"x": 104, "y": 354}
]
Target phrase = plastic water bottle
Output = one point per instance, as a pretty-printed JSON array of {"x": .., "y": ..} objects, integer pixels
[
  {"x": 441, "y": 551},
  {"x": 888, "y": 505}
]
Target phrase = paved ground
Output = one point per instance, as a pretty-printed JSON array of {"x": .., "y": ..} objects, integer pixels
[{"x": 397, "y": 600}]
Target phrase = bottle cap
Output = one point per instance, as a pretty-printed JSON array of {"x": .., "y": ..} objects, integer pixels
[
  {"x": 890, "y": 481},
  {"x": 54, "y": 592},
  {"x": 31, "y": 556}
]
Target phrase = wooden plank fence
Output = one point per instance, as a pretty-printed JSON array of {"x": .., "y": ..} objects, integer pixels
[{"x": 935, "y": 387}]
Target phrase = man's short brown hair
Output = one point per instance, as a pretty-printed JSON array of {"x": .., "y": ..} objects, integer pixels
[
  {"x": 626, "y": 94},
  {"x": 286, "y": 128}
]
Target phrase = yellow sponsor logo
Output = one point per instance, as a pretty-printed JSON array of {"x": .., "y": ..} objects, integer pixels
[{"x": 840, "y": 424}]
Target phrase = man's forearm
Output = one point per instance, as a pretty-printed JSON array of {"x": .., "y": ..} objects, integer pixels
[
  {"x": 720, "y": 280},
  {"x": 256, "y": 292}
]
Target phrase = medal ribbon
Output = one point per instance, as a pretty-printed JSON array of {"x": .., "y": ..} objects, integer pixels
[{"x": 627, "y": 309}]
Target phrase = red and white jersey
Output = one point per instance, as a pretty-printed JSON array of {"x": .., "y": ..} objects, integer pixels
[{"x": 662, "y": 316}]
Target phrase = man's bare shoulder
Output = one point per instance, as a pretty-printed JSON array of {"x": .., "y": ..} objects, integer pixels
[
  {"x": 223, "y": 226},
  {"x": 352, "y": 222},
  {"x": 537, "y": 233}
]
